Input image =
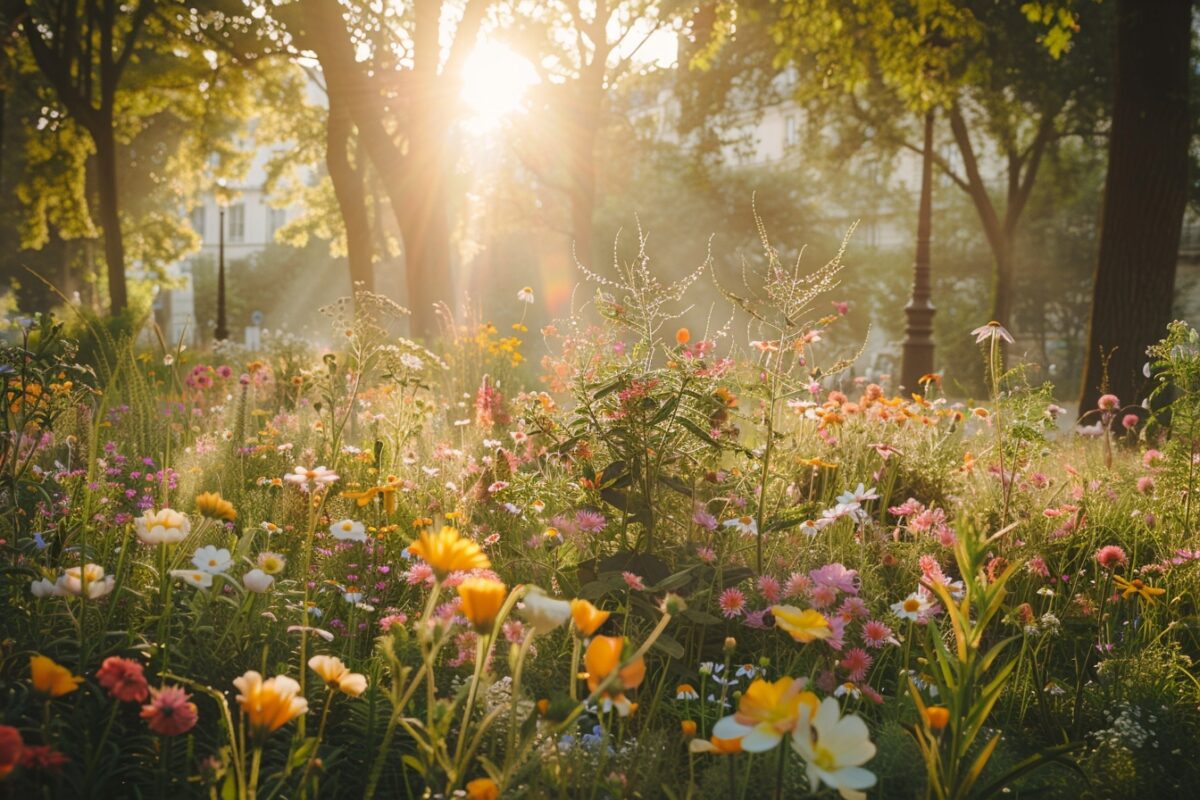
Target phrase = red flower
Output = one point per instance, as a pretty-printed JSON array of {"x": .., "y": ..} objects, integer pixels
[
  {"x": 123, "y": 679},
  {"x": 43, "y": 757},
  {"x": 11, "y": 745},
  {"x": 169, "y": 711}
]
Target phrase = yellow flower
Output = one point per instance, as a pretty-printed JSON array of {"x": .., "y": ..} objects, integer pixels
[
  {"x": 269, "y": 705},
  {"x": 337, "y": 675},
  {"x": 804, "y": 626},
  {"x": 213, "y": 506},
  {"x": 687, "y": 727},
  {"x": 481, "y": 599},
  {"x": 587, "y": 617},
  {"x": 766, "y": 712},
  {"x": 447, "y": 551},
  {"x": 937, "y": 717},
  {"x": 1136, "y": 587},
  {"x": 51, "y": 679},
  {"x": 482, "y": 789}
]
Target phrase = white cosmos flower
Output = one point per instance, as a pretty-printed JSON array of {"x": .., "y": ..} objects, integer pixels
[
  {"x": 544, "y": 613},
  {"x": 834, "y": 748},
  {"x": 993, "y": 330},
  {"x": 44, "y": 587},
  {"x": 912, "y": 607},
  {"x": 525, "y": 295},
  {"x": 74, "y": 579},
  {"x": 257, "y": 581},
  {"x": 348, "y": 530},
  {"x": 197, "y": 578},
  {"x": 747, "y": 526},
  {"x": 320, "y": 476},
  {"x": 166, "y": 526},
  {"x": 212, "y": 560}
]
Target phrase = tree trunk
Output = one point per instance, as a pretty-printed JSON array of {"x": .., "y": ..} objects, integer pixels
[
  {"x": 110, "y": 217},
  {"x": 1145, "y": 194},
  {"x": 348, "y": 188},
  {"x": 1002, "y": 286}
]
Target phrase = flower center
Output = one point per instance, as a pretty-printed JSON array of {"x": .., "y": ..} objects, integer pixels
[
  {"x": 911, "y": 604},
  {"x": 824, "y": 759}
]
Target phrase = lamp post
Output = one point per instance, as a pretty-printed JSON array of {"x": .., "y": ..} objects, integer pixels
[
  {"x": 222, "y": 332},
  {"x": 918, "y": 333}
]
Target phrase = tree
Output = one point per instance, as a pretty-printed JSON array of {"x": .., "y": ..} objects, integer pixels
[
  {"x": 83, "y": 48},
  {"x": 1145, "y": 194},
  {"x": 877, "y": 62}
]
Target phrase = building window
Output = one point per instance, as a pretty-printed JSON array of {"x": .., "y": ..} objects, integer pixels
[
  {"x": 237, "y": 222},
  {"x": 198, "y": 221},
  {"x": 791, "y": 131},
  {"x": 277, "y": 219}
]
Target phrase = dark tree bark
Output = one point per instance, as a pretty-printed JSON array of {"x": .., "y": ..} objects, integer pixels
[
  {"x": 348, "y": 187},
  {"x": 1145, "y": 194},
  {"x": 85, "y": 79}
]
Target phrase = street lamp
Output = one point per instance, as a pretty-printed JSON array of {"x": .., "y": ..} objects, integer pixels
[
  {"x": 222, "y": 332},
  {"x": 918, "y": 338}
]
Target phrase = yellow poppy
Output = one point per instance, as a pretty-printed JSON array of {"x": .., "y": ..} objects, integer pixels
[
  {"x": 803, "y": 626},
  {"x": 481, "y": 599},
  {"x": 587, "y": 617},
  {"x": 447, "y": 551},
  {"x": 51, "y": 679}
]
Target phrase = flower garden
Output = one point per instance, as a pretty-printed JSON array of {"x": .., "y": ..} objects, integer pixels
[{"x": 653, "y": 562}]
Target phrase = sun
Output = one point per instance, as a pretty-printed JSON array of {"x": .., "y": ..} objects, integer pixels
[{"x": 494, "y": 81}]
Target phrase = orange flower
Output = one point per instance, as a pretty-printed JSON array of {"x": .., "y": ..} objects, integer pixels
[
  {"x": 716, "y": 746},
  {"x": 682, "y": 336},
  {"x": 51, "y": 679},
  {"x": 11, "y": 746},
  {"x": 587, "y": 617},
  {"x": 447, "y": 551},
  {"x": 937, "y": 717},
  {"x": 481, "y": 599},
  {"x": 269, "y": 705},
  {"x": 213, "y": 506},
  {"x": 604, "y": 655},
  {"x": 482, "y": 789},
  {"x": 688, "y": 728}
]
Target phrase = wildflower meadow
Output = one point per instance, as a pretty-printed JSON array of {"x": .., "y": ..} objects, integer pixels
[{"x": 651, "y": 561}]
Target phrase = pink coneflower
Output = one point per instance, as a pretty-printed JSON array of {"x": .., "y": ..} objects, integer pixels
[
  {"x": 732, "y": 602},
  {"x": 797, "y": 585},
  {"x": 170, "y": 711},
  {"x": 1108, "y": 402},
  {"x": 876, "y": 634},
  {"x": 1110, "y": 557},
  {"x": 634, "y": 581},
  {"x": 856, "y": 662},
  {"x": 225, "y": 371},
  {"x": 768, "y": 587},
  {"x": 590, "y": 521},
  {"x": 124, "y": 679}
]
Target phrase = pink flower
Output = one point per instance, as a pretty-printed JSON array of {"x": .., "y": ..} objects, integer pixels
[
  {"x": 876, "y": 634},
  {"x": 842, "y": 306},
  {"x": 823, "y": 596},
  {"x": 1108, "y": 402},
  {"x": 1150, "y": 456},
  {"x": 392, "y": 619},
  {"x": 590, "y": 521},
  {"x": 797, "y": 585},
  {"x": 170, "y": 711},
  {"x": 1110, "y": 557},
  {"x": 706, "y": 554},
  {"x": 853, "y": 608},
  {"x": 836, "y": 575},
  {"x": 124, "y": 679},
  {"x": 856, "y": 662},
  {"x": 1129, "y": 421},
  {"x": 1037, "y": 565},
  {"x": 1145, "y": 484},
  {"x": 634, "y": 581},
  {"x": 768, "y": 587},
  {"x": 732, "y": 602}
]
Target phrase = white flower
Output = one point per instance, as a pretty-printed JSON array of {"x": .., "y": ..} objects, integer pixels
[
  {"x": 348, "y": 530},
  {"x": 212, "y": 560},
  {"x": 257, "y": 581},
  {"x": 544, "y": 613},
  {"x": 525, "y": 295},
  {"x": 860, "y": 495},
  {"x": 993, "y": 330},
  {"x": 167, "y": 526},
  {"x": 352, "y": 597},
  {"x": 44, "y": 587},
  {"x": 73, "y": 581},
  {"x": 747, "y": 526},
  {"x": 814, "y": 526},
  {"x": 320, "y": 476},
  {"x": 197, "y": 578},
  {"x": 834, "y": 748},
  {"x": 912, "y": 607}
]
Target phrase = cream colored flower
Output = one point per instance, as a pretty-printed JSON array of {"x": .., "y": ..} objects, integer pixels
[
  {"x": 835, "y": 748},
  {"x": 166, "y": 526},
  {"x": 90, "y": 577},
  {"x": 337, "y": 675}
]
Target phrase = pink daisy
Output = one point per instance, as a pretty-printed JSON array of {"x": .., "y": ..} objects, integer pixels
[
  {"x": 876, "y": 634},
  {"x": 732, "y": 602},
  {"x": 797, "y": 585},
  {"x": 1110, "y": 557},
  {"x": 768, "y": 587},
  {"x": 823, "y": 596},
  {"x": 706, "y": 554},
  {"x": 856, "y": 662},
  {"x": 634, "y": 581}
]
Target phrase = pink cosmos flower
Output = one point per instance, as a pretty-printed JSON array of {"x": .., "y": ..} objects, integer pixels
[
  {"x": 732, "y": 602},
  {"x": 170, "y": 712}
]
